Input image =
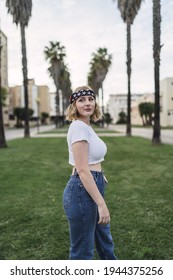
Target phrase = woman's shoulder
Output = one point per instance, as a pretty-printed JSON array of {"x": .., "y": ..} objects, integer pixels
[
  {"x": 78, "y": 131},
  {"x": 78, "y": 124}
]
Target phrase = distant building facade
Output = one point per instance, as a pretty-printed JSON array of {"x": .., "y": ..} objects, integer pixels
[
  {"x": 118, "y": 103},
  {"x": 166, "y": 102},
  {"x": 44, "y": 99},
  {"x": 52, "y": 104},
  {"x": 135, "y": 115},
  {"x": 38, "y": 98}
]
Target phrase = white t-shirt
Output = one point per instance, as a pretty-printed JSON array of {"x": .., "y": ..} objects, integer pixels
[{"x": 79, "y": 131}]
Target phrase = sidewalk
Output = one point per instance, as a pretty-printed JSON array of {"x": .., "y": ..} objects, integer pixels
[
  {"x": 13, "y": 133},
  {"x": 166, "y": 134}
]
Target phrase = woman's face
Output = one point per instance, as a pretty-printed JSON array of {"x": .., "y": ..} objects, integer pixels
[{"x": 85, "y": 106}]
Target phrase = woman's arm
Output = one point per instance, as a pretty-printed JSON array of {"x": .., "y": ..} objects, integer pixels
[{"x": 80, "y": 153}]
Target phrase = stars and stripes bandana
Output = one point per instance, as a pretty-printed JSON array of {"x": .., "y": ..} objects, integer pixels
[{"x": 84, "y": 92}]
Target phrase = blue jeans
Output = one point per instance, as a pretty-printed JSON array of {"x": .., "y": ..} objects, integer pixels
[{"x": 82, "y": 215}]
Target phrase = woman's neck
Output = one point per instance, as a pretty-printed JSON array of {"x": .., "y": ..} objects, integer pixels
[{"x": 85, "y": 120}]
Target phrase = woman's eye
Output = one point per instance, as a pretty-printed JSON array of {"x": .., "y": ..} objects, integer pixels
[{"x": 91, "y": 99}]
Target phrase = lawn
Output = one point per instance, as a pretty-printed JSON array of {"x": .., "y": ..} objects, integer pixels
[{"x": 33, "y": 174}]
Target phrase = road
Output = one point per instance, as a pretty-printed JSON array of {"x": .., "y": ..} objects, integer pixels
[{"x": 166, "y": 134}]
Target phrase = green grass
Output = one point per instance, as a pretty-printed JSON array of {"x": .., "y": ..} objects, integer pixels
[{"x": 33, "y": 174}]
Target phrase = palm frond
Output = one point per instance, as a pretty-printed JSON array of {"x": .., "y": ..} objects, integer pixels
[
  {"x": 128, "y": 9},
  {"x": 20, "y": 10}
]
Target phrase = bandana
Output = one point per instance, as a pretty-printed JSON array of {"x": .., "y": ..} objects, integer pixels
[{"x": 84, "y": 92}]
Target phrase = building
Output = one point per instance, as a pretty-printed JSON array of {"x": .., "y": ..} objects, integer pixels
[
  {"x": 135, "y": 115},
  {"x": 38, "y": 98},
  {"x": 166, "y": 102},
  {"x": 44, "y": 99},
  {"x": 33, "y": 98},
  {"x": 52, "y": 105},
  {"x": 118, "y": 103},
  {"x": 4, "y": 74}
]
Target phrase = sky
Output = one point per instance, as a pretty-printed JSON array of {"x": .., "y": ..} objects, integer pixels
[{"x": 82, "y": 27}]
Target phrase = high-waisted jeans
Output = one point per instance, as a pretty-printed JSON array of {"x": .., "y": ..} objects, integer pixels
[{"x": 82, "y": 215}]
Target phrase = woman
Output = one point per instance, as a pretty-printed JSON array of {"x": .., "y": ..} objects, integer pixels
[{"x": 83, "y": 198}]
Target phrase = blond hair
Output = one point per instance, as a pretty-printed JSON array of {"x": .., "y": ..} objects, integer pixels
[{"x": 72, "y": 113}]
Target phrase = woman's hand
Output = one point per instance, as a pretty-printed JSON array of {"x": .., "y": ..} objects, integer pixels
[{"x": 104, "y": 215}]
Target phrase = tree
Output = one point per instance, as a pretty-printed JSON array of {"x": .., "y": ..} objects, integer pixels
[
  {"x": 55, "y": 54},
  {"x": 100, "y": 63},
  {"x": 156, "y": 139},
  {"x": 122, "y": 118},
  {"x": 21, "y": 13},
  {"x": 3, "y": 96},
  {"x": 146, "y": 110},
  {"x": 107, "y": 118},
  {"x": 44, "y": 116},
  {"x": 19, "y": 112},
  {"x": 65, "y": 86},
  {"x": 3, "y": 143},
  {"x": 129, "y": 10}
]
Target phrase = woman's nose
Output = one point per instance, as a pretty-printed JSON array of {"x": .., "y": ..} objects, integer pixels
[{"x": 88, "y": 102}]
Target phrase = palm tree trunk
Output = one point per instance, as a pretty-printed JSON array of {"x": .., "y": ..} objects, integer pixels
[
  {"x": 156, "y": 55},
  {"x": 128, "y": 129},
  {"x": 2, "y": 134},
  {"x": 63, "y": 108},
  {"x": 156, "y": 128},
  {"x": 143, "y": 122},
  {"x": 57, "y": 109},
  {"x": 102, "y": 105},
  {"x": 25, "y": 81}
]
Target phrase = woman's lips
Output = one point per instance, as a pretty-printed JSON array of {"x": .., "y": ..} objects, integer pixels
[{"x": 88, "y": 110}]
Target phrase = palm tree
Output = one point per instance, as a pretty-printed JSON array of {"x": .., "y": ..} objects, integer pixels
[
  {"x": 65, "y": 85},
  {"x": 55, "y": 54},
  {"x": 2, "y": 134},
  {"x": 100, "y": 63},
  {"x": 128, "y": 10},
  {"x": 156, "y": 55},
  {"x": 21, "y": 13}
]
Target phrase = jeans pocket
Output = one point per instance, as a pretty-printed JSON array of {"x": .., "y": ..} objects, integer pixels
[{"x": 67, "y": 195}]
